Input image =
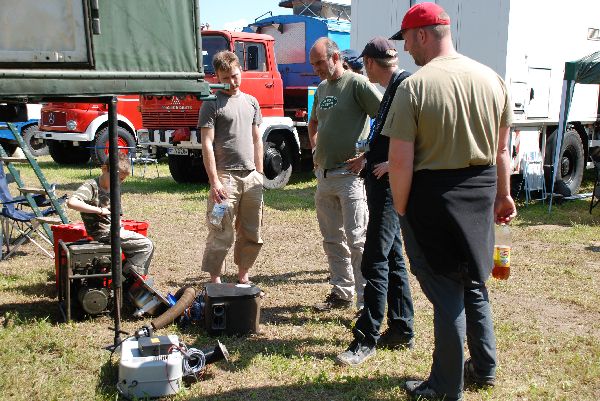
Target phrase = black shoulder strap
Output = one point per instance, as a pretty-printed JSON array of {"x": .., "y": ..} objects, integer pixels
[{"x": 396, "y": 82}]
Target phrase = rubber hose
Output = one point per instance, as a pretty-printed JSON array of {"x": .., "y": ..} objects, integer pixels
[{"x": 169, "y": 316}]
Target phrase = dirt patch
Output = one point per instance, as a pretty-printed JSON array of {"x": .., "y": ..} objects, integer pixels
[{"x": 548, "y": 315}]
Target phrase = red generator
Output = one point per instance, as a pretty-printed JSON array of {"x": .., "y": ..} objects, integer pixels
[{"x": 83, "y": 268}]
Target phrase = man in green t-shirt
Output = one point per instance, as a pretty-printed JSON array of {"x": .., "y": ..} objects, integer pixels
[
  {"x": 343, "y": 101},
  {"x": 449, "y": 125}
]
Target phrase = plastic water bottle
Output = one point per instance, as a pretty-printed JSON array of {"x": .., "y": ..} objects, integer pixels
[
  {"x": 218, "y": 211},
  {"x": 502, "y": 248}
]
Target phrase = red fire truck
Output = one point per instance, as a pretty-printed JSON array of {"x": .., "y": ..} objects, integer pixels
[
  {"x": 77, "y": 131},
  {"x": 170, "y": 122},
  {"x": 274, "y": 53}
]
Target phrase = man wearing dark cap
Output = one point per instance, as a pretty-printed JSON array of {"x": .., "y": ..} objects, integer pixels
[
  {"x": 382, "y": 264},
  {"x": 351, "y": 60},
  {"x": 449, "y": 171}
]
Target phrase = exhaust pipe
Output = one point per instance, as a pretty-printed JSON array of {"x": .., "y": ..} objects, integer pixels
[{"x": 187, "y": 296}]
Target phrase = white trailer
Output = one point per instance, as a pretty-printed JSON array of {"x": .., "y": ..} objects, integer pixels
[{"x": 527, "y": 43}]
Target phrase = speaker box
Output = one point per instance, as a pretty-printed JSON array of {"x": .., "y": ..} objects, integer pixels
[{"x": 232, "y": 309}]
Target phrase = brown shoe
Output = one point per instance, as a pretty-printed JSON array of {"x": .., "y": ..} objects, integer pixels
[{"x": 332, "y": 302}]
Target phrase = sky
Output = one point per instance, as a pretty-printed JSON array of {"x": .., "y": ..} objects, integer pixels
[{"x": 236, "y": 14}]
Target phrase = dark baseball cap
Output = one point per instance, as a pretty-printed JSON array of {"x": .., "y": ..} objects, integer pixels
[
  {"x": 420, "y": 15},
  {"x": 379, "y": 47}
]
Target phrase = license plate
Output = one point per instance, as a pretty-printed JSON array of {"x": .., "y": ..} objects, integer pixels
[{"x": 177, "y": 151}]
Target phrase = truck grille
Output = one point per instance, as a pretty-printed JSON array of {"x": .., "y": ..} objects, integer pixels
[
  {"x": 54, "y": 118},
  {"x": 169, "y": 120}
]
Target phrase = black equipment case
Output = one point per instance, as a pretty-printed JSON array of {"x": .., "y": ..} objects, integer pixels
[{"x": 232, "y": 309}]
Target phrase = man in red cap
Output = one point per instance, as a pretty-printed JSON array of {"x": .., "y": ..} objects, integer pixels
[{"x": 449, "y": 125}]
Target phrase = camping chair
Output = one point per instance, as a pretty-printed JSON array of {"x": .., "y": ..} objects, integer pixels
[
  {"x": 533, "y": 176},
  {"x": 144, "y": 158},
  {"x": 40, "y": 199},
  {"x": 596, "y": 191},
  {"x": 17, "y": 225}
]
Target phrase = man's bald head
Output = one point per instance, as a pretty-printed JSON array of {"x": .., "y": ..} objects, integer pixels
[{"x": 325, "y": 59}]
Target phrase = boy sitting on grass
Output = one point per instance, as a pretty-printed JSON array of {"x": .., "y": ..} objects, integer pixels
[{"x": 92, "y": 200}]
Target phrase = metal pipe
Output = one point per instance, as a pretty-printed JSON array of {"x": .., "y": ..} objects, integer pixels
[
  {"x": 62, "y": 74},
  {"x": 115, "y": 212},
  {"x": 198, "y": 37}
]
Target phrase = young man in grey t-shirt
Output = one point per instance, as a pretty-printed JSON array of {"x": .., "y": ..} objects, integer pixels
[{"x": 233, "y": 153}]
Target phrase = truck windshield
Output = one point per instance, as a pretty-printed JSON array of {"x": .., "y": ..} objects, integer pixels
[{"x": 210, "y": 46}]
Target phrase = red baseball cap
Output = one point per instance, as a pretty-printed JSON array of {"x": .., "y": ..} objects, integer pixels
[{"x": 420, "y": 15}]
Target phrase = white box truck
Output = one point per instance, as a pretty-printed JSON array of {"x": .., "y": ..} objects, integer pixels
[{"x": 527, "y": 42}]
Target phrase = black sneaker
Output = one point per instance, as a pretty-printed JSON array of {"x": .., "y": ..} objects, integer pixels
[
  {"x": 391, "y": 339},
  {"x": 420, "y": 390},
  {"x": 472, "y": 379},
  {"x": 356, "y": 354},
  {"x": 333, "y": 302}
]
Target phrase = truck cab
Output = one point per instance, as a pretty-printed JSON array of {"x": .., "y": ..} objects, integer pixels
[
  {"x": 75, "y": 132},
  {"x": 171, "y": 122}
]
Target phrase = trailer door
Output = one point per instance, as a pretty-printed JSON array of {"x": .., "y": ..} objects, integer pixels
[{"x": 539, "y": 92}]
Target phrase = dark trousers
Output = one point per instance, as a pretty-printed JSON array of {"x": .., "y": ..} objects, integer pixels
[
  {"x": 461, "y": 308},
  {"x": 383, "y": 267}
]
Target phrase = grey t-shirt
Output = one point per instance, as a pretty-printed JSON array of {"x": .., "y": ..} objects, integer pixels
[{"x": 232, "y": 118}]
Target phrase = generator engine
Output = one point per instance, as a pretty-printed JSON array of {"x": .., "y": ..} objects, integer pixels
[{"x": 85, "y": 277}]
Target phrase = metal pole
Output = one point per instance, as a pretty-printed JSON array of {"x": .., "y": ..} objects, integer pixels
[{"x": 115, "y": 213}]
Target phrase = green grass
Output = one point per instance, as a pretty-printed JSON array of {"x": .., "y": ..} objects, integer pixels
[{"x": 547, "y": 316}]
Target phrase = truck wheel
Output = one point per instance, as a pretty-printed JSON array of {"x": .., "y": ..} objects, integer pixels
[
  {"x": 63, "y": 152},
  {"x": 37, "y": 146},
  {"x": 277, "y": 163},
  {"x": 187, "y": 169},
  {"x": 125, "y": 141},
  {"x": 571, "y": 163}
]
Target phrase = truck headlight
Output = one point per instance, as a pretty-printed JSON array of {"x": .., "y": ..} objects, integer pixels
[
  {"x": 143, "y": 136},
  {"x": 71, "y": 125}
]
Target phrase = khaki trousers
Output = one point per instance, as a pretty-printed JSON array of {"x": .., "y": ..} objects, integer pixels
[
  {"x": 342, "y": 213},
  {"x": 244, "y": 216}
]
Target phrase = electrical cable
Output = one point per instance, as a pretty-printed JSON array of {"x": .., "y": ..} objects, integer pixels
[
  {"x": 193, "y": 363},
  {"x": 194, "y": 360},
  {"x": 117, "y": 346}
]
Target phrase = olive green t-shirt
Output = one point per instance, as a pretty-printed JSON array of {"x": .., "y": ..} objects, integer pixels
[
  {"x": 452, "y": 109},
  {"x": 341, "y": 108}
]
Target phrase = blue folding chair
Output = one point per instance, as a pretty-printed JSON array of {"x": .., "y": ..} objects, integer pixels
[{"x": 19, "y": 226}]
